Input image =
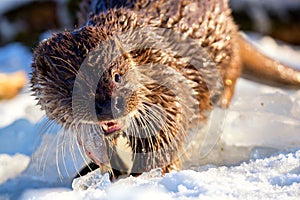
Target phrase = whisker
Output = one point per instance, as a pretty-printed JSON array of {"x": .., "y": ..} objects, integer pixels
[{"x": 71, "y": 68}]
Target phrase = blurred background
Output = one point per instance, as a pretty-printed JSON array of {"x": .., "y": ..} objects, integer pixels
[
  {"x": 25, "y": 20},
  {"x": 24, "y": 23}
]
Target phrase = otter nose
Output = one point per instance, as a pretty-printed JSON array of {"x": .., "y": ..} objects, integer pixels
[
  {"x": 118, "y": 106},
  {"x": 110, "y": 108},
  {"x": 103, "y": 110}
]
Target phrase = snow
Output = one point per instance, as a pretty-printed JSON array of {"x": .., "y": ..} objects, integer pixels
[
  {"x": 13, "y": 109},
  {"x": 260, "y": 156},
  {"x": 277, "y": 177},
  {"x": 19, "y": 162}
]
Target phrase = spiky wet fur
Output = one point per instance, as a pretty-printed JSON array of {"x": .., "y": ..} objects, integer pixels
[{"x": 57, "y": 61}]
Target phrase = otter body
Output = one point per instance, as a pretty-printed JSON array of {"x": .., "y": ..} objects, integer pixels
[{"x": 147, "y": 72}]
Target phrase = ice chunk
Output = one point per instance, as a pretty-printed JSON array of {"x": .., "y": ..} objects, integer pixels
[
  {"x": 269, "y": 118},
  {"x": 93, "y": 180}
]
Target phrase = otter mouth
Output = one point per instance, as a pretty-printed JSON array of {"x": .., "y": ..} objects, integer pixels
[{"x": 110, "y": 127}]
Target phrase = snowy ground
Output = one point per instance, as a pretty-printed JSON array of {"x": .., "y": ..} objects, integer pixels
[{"x": 262, "y": 128}]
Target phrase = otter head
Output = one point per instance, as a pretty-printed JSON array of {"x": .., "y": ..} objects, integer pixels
[{"x": 61, "y": 63}]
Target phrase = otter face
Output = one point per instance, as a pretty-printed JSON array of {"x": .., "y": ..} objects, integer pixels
[
  {"x": 72, "y": 86},
  {"x": 116, "y": 96}
]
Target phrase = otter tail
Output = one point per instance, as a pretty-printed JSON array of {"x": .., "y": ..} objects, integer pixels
[{"x": 260, "y": 68}]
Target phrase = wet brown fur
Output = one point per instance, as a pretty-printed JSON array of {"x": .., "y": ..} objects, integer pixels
[{"x": 209, "y": 23}]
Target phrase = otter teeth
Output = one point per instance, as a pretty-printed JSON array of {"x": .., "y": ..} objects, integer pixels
[
  {"x": 105, "y": 127},
  {"x": 110, "y": 127}
]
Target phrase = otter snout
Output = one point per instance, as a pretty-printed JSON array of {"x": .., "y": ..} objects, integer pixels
[{"x": 111, "y": 108}]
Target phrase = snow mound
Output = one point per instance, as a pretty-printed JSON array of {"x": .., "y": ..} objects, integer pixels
[
  {"x": 276, "y": 177},
  {"x": 12, "y": 166},
  {"x": 22, "y": 106}
]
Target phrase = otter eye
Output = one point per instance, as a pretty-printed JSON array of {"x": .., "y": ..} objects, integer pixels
[{"x": 117, "y": 78}]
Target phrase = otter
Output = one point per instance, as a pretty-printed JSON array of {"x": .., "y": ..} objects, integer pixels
[{"x": 143, "y": 74}]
